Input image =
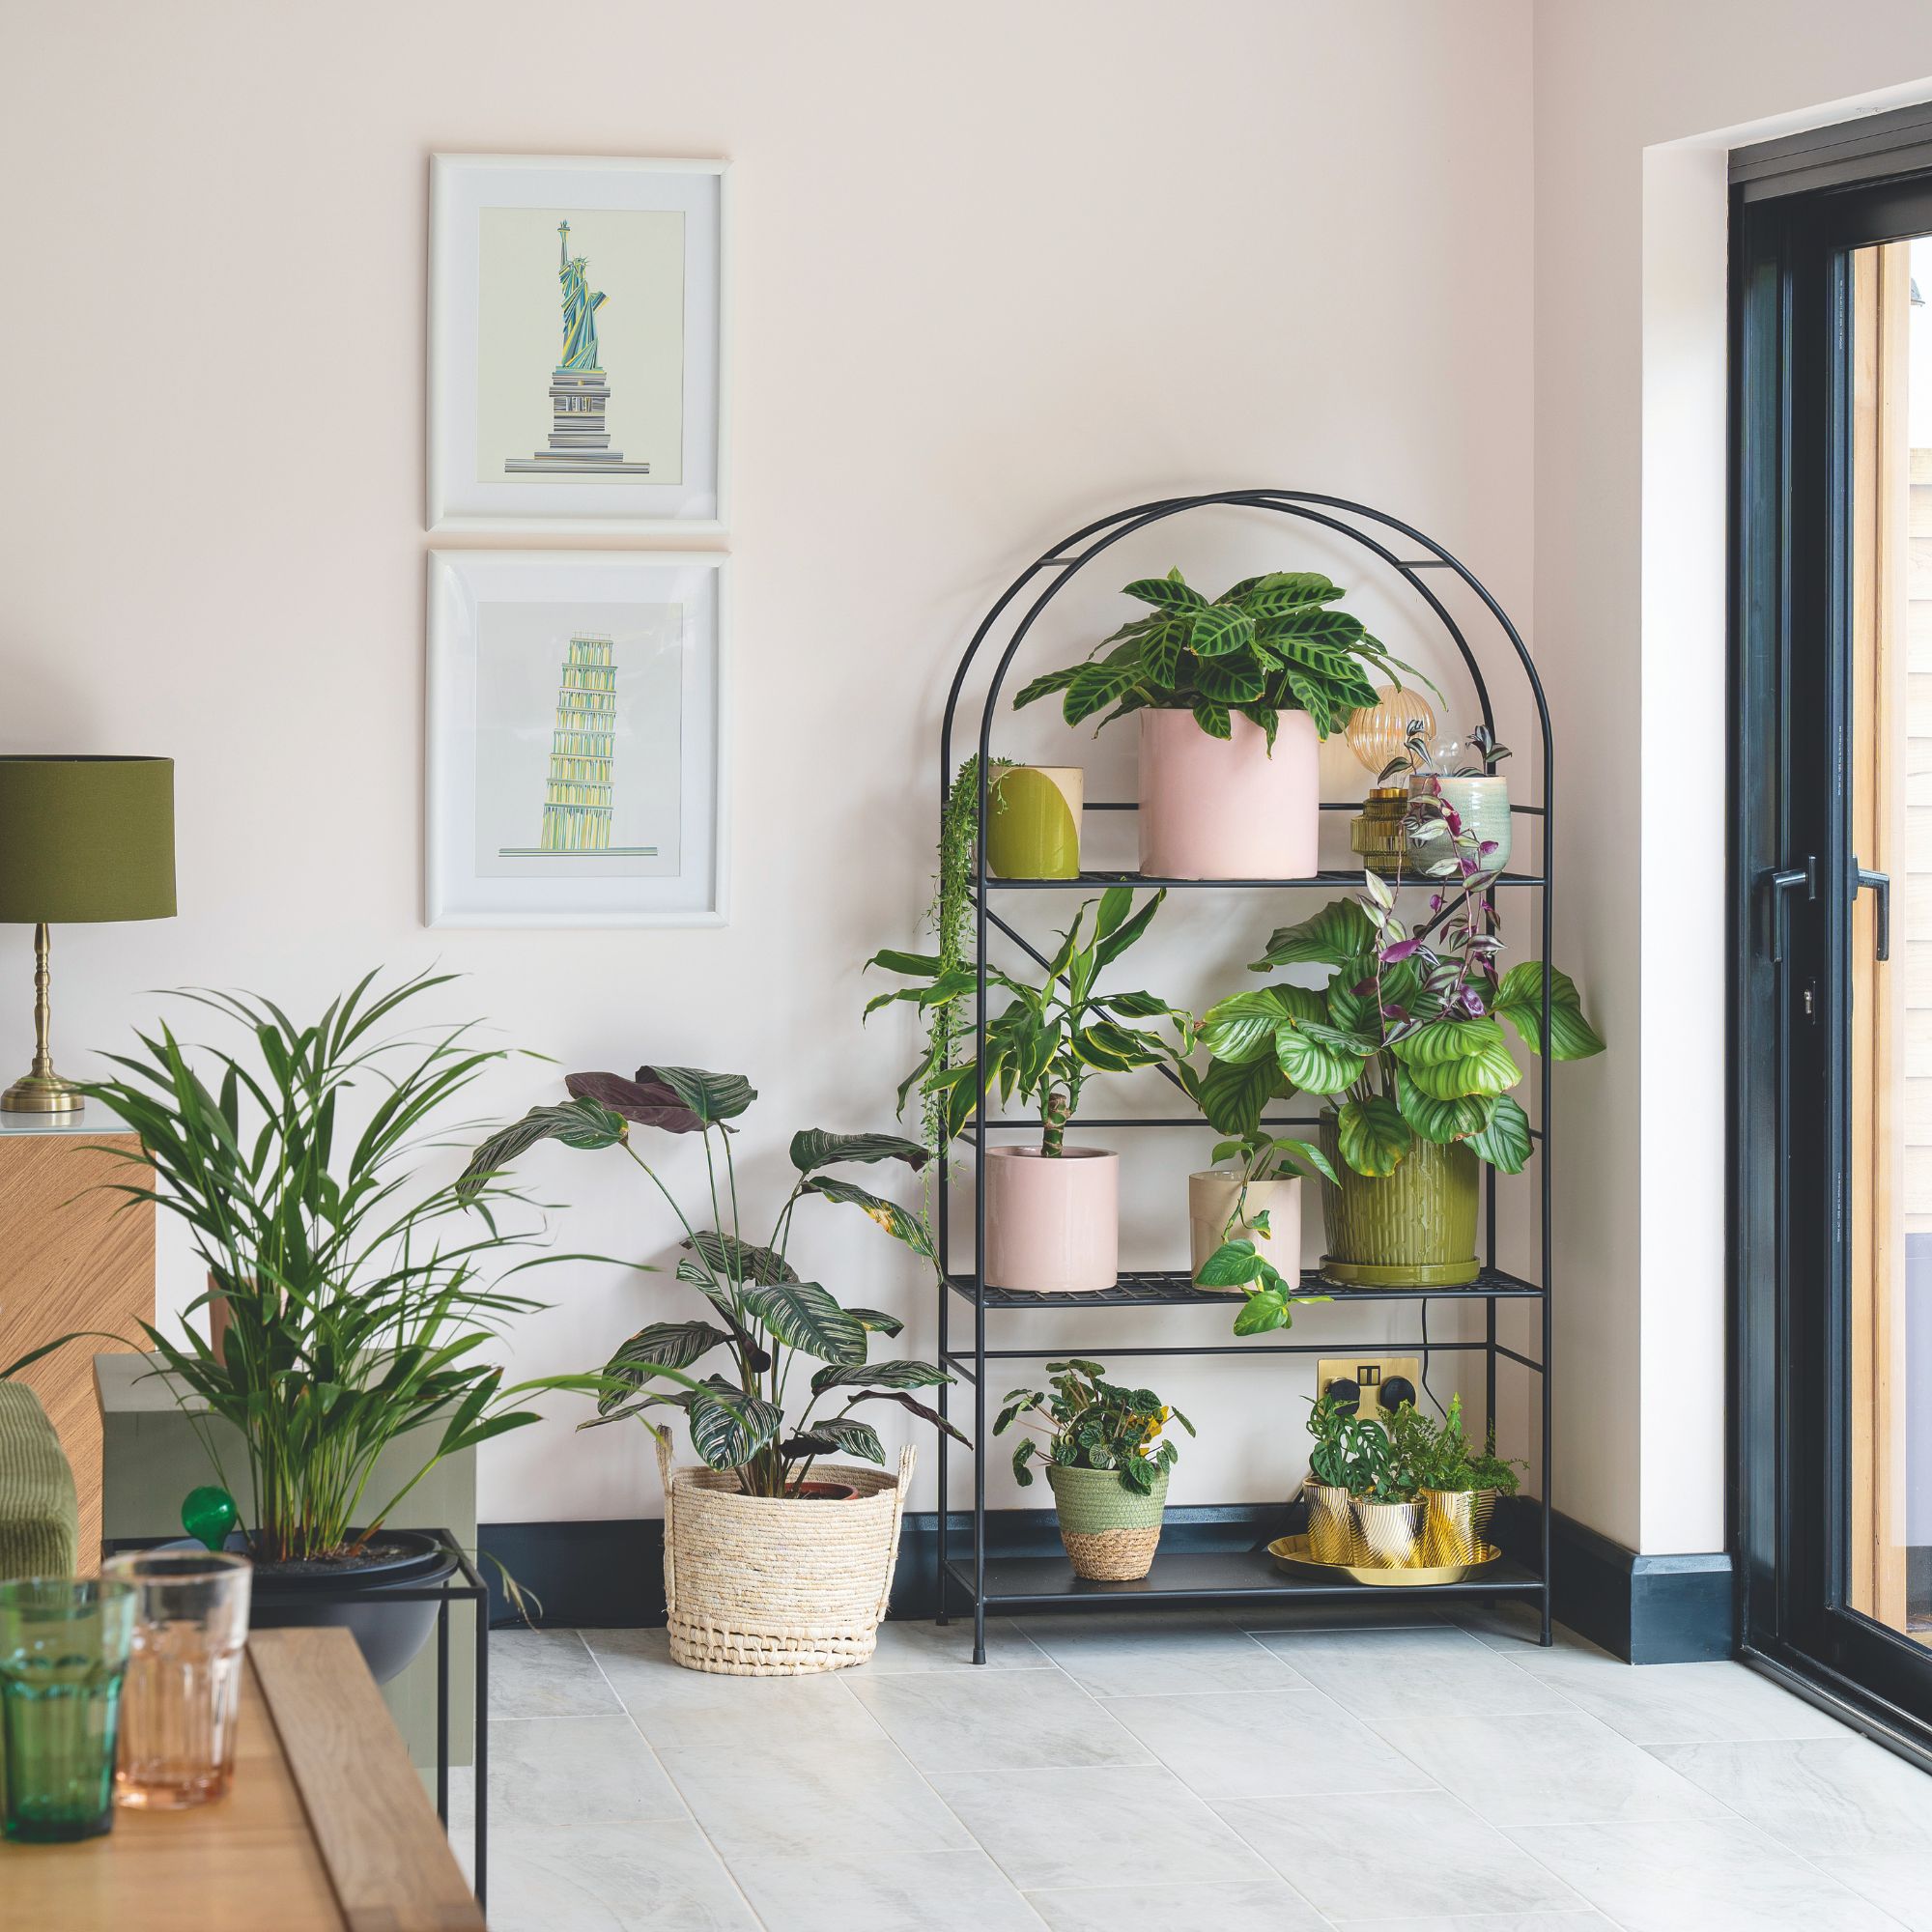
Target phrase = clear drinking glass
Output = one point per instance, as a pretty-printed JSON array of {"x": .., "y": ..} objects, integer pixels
[
  {"x": 63, "y": 1655},
  {"x": 184, "y": 1677}
]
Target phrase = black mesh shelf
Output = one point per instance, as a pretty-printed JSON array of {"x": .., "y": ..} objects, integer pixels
[
  {"x": 1158, "y": 1287},
  {"x": 1341, "y": 881}
]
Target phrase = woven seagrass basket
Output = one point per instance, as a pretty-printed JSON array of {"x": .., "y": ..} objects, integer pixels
[
  {"x": 769, "y": 1586},
  {"x": 1109, "y": 1531}
]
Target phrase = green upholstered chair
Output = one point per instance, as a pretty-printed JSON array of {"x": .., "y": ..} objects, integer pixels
[{"x": 40, "y": 1515}]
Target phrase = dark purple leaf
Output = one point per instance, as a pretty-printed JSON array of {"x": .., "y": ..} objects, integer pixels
[
  {"x": 1402, "y": 949},
  {"x": 649, "y": 1102}
]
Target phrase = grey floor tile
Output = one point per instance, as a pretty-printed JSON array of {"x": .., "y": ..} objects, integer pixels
[
  {"x": 1115, "y": 1657},
  {"x": 1253, "y": 1744},
  {"x": 1586, "y": 1920},
  {"x": 886, "y": 1892},
  {"x": 922, "y": 1645},
  {"x": 613, "y": 1878},
  {"x": 1683, "y": 1703},
  {"x": 1094, "y": 1827},
  {"x": 576, "y": 1771},
  {"x": 1839, "y": 1796},
  {"x": 1411, "y": 1673},
  {"x": 1512, "y": 1625},
  {"x": 1369, "y": 1610},
  {"x": 1270, "y": 1906},
  {"x": 1692, "y": 1874},
  {"x": 1385, "y": 1854},
  {"x": 1897, "y": 1880},
  {"x": 996, "y": 1721},
  {"x": 695, "y": 1710},
  {"x": 805, "y": 1801},
  {"x": 545, "y": 1673},
  {"x": 1562, "y": 1770}
]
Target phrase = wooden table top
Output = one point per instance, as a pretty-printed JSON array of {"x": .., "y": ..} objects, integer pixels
[{"x": 327, "y": 1828}]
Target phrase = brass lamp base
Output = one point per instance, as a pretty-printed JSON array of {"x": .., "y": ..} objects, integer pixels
[{"x": 41, "y": 1093}]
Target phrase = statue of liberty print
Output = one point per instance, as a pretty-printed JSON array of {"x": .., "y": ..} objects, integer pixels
[{"x": 580, "y": 392}]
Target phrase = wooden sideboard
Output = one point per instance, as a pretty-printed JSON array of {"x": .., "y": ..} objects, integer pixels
[
  {"x": 328, "y": 1827},
  {"x": 74, "y": 1255}
]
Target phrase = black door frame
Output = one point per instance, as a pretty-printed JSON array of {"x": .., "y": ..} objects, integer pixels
[{"x": 1791, "y": 877}]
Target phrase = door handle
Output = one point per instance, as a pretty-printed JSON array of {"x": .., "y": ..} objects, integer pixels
[
  {"x": 1880, "y": 884},
  {"x": 1783, "y": 886}
]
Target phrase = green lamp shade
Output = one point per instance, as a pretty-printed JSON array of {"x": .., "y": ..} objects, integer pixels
[{"x": 86, "y": 839}]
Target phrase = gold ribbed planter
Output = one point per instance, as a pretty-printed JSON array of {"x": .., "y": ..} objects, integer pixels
[
  {"x": 1331, "y": 1524},
  {"x": 1391, "y": 1534},
  {"x": 1415, "y": 1228},
  {"x": 1455, "y": 1524}
]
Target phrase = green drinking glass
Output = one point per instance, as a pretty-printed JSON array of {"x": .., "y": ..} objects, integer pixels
[{"x": 64, "y": 1643}]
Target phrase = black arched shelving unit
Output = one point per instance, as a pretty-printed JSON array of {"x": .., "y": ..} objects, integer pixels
[{"x": 973, "y": 1578}]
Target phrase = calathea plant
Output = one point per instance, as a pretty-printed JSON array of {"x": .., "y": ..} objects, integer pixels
[
  {"x": 1407, "y": 1036},
  {"x": 1050, "y": 1038},
  {"x": 1267, "y": 645},
  {"x": 766, "y": 1320},
  {"x": 1082, "y": 1421}
]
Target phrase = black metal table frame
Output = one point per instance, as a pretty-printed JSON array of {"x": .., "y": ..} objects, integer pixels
[
  {"x": 1045, "y": 578},
  {"x": 442, "y": 1592}
]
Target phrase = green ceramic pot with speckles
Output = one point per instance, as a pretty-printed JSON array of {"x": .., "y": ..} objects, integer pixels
[{"x": 1032, "y": 821}]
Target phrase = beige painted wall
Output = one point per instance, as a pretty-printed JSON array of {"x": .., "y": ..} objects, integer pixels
[
  {"x": 996, "y": 272},
  {"x": 1636, "y": 103}
]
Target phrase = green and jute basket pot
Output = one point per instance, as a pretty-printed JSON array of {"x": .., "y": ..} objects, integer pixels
[
  {"x": 1415, "y": 1228},
  {"x": 1110, "y": 1531}
]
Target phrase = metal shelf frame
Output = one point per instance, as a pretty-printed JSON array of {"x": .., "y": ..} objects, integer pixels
[{"x": 985, "y": 1583}]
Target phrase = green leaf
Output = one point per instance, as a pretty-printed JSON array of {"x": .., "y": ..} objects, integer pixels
[
  {"x": 879, "y": 1375},
  {"x": 1262, "y": 1312},
  {"x": 1167, "y": 593},
  {"x": 1447, "y": 1039},
  {"x": 1233, "y": 1093},
  {"x": 855, "y": 1437},
  {"x": 1519, "y": 1000},
  {"x": 1213, "y": 719},
  {"x": 802, "y": 1315},
  {"x": 727, "y": 1257},
  {"x": 1340, "y": 934},
  {"x": 1287, "y": 591},
  {"x": 665, "y": 1344},
  {"x": 1231, "y": 680},
  {"x": 877, "y": 1320},
  {"x": 1115, "y": 1049},
  {"x": 1113, "y": 944},
  {"x": 812, "y": 1148},
  {"x": 1219, "y": 631},
  {"x": 1317, "y": 1065},
  {"x": 577, "y": 1123},
  {"x": 1488, "y": 1071},
  {"x": 1231, "y": 1265},
  {"x": 728, "y": 1426},
  {"x": 1096, "y": 686},
  {"x": 915, "y": 1407},
  {"x": 1505, "y": 1142},
  {"x": 1160, "y": 654},
  {"x": 1244, "y": 1025},
  {"x": 711, "y": 1097},
  {"x": 899, "y": 1222},
  {"x": 1438, "y": 1121},
  {"x": 1373, "y": 1135},
  {"x": 1045, "y": 685}
]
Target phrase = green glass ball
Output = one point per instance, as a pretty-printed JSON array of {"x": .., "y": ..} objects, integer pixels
[{"x": 207, "y": 1515}]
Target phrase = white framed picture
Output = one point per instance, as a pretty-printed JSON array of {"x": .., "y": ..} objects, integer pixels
[
  {"x": 576, "y": 345},
  {"x": 576, "y": 755}
]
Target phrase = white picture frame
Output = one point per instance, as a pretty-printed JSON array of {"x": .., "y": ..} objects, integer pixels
[
  {"x": 507, "y": 631},
  {"x": 495, "y": 306}
]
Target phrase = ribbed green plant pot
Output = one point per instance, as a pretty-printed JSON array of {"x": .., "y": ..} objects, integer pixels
[
  {"x": 1415, "y": 1228},
  {"x": 1111, "y": 1532}
]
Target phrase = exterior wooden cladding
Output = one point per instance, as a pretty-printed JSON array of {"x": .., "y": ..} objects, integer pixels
[{"x": 74, "y": 1255}]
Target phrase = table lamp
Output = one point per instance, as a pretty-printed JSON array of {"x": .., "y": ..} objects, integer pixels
[{"x": 81, "y": 839}]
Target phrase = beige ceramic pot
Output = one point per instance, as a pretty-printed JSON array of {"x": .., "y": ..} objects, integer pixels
[
  {"x": 1053, "y": 1224},
  {"x": 1212, "y": 1196},
  {"x": 1223, "y": 807}
]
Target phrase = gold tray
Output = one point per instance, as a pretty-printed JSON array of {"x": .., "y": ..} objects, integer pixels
[{"x": 1291, "y": 1552}]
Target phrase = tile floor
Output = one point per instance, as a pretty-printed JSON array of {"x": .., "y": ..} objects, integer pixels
[{"x": 1211, "y": 1772}]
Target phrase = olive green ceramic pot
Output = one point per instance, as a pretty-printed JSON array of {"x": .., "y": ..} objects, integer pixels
[
  {"x": 1415, "y": 1228},
  {"x": 1033, "y": 822}
]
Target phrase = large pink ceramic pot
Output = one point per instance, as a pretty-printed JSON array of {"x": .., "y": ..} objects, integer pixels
[
  {"x": 1053, "y": 1224},
  {"x": 1222, "y": 807}
]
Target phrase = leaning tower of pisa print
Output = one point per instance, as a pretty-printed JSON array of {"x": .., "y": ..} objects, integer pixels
[{"x": 578, "y": 795}]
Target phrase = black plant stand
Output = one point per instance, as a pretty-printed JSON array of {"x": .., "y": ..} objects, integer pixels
[
  {"x": 266, "y": 1594},
  {"x": 987, "y": 1583}
]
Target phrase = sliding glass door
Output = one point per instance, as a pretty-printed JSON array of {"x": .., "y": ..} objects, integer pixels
[{"x": 1832, "y": 923}]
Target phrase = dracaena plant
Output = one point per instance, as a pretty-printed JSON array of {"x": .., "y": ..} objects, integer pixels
[
  {"x": 356, "y": 1301},
  {"x": 1050, "y": 1038},
  {"x": 1406, "y": 1037},
  {"x": 1267, "y": 645},
  {"x": 771, "y": 1413},
  {"x": 1082, "y": 1421}
]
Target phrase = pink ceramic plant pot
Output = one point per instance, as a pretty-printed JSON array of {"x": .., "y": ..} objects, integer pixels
[
  {"x": 1053, "y": 1224},
  {"x": 1222, "y": 807}
]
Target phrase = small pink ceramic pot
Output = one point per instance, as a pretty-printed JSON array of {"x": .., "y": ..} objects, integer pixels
[
  {"x": 1222, "y": 807},
  {"x": 1053, "y": 1224}
]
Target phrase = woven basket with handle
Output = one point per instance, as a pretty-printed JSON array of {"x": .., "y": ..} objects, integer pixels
[{"x": 772, "y": 1586}]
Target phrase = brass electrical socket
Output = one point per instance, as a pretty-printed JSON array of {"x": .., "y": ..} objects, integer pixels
[{"x": 1371, "y": 1374}]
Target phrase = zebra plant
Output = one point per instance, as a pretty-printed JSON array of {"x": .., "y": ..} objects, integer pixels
[{"x": 762, "y": 1314}]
